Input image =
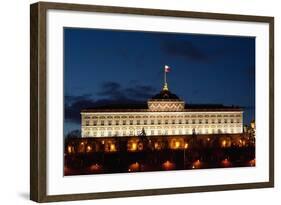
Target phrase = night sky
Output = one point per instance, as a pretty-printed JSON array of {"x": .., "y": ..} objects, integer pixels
[{"x": 113, "y": 67}]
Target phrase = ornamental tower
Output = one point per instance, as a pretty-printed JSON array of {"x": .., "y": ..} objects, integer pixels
[{"x": 165, "y": 101}]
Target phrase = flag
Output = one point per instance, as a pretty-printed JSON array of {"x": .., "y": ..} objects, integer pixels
[{"x": 167, "y": 69}]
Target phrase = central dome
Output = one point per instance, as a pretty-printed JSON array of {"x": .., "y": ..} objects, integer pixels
[{"x": 165, "y": 95}]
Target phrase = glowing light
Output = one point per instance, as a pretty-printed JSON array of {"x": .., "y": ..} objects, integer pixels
[
  {"x": 95, "y": 167},
  {"x": 197, "y": 164},
  {"x": 226, "y": 163},
  {"x": 140, "y": 146},
  {"x": 185, "y": 145},
  {"x": 177, "y": 144},
  {"x": 252, "y": 162},
  {"x": 223, "y": 143},
  {"x": 168, "y": 165},
  {"x": 134, "y": 167},
  {"x": 69, "y": 149},
  {"x": 156, "y": 145},
  {"x": 89, "y": 148},
  {"x": 134, "y": 146},
  {"x": 112, "y": 148}
]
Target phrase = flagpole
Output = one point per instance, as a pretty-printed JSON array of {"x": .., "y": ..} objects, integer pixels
[{"x": 165, "y": 78}]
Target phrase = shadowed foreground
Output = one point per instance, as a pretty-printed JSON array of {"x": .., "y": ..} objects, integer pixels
[{"x": 157, "y": 153}]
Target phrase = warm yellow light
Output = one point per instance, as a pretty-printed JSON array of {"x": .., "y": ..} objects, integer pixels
[
  {"x": 156, "y": 145},
  {"x": 112, "y": 147},
  {"x": 89, "y": 148},
  {"x": 177, "y": 144},
  {"x": 69, "y": 149},
  {"x": 134, "y": 146},
  {"x": 185, "y": 145},
  {"x": 223, "y": 143}
]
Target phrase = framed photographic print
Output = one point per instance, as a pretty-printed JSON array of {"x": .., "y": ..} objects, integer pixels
[{"x": 134, "y": 102}]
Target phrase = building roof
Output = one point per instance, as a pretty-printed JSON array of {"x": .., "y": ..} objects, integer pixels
[{"x": 144, "y": 108}]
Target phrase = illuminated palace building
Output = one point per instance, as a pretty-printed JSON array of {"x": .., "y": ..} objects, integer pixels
[{"x": 164, "y": 114}]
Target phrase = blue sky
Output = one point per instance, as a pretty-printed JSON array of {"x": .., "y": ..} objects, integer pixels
[{"x": 112, "y": 66}]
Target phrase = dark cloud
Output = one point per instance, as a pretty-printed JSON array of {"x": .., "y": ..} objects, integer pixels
[
  {"x": 111, "y": 93},
  {"x": 112, "y": 90},
  {"x": 185, "y": 49},
  {"x": 70, "y": 98},
  {"x": 115, "y": 91}
]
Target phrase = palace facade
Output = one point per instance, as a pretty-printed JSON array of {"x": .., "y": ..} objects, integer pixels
[{"x": 164, "y": 114}]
